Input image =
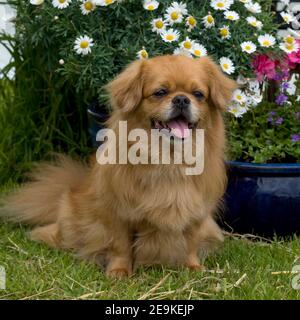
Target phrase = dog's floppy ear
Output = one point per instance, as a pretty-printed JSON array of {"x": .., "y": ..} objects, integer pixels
[
  {"x": 221, "y": 87},
  {"x": 126, "y": 89}
]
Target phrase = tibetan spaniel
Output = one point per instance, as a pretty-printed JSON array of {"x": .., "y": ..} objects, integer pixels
[{"x": 124, "y": 215}]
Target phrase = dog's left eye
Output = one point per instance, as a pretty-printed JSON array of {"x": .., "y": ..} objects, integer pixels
[
  {"x": 198, "y": 94},
  {"x": 160, "y": 93}
]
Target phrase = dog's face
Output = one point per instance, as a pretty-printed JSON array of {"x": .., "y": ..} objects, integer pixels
[{"x": 171, "y": 92}]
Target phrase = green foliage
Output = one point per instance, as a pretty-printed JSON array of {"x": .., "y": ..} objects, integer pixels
[
  {"x": 255, "y": 138},
  {"x": 120, "y": 31}
]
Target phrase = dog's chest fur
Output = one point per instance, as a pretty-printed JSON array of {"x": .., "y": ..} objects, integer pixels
[{"x": 163, "y": 196}]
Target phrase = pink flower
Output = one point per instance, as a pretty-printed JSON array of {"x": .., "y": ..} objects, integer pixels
[
  {"x": 287, "y": 63},
  {"x": 294, "y": 57},
  {"x": 264, "y": 67}
]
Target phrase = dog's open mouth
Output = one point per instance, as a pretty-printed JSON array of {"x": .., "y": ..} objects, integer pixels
[{"x": 178, "y": 127}]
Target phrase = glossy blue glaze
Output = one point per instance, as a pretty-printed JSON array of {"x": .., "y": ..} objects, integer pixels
[{"x": 263, "y": 198}]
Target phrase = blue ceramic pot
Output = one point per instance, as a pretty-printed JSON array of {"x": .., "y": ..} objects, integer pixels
[{"x": 263, "y": 198}]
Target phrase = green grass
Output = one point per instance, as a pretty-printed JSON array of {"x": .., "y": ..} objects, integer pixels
[{"x": 241, "y": 269}]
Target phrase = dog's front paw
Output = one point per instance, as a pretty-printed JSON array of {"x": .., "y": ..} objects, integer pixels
[
  {"x": 195, "y": 267},
  {"x": 193, "y": 263},
  {"x": 118, "y": 273}
]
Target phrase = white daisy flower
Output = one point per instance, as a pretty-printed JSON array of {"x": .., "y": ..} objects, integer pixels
[
  {"x": 170, "y": 35},
  {"x": 239, "y": 96},
  {"x": 294, "y": 33},
  {"x": 36, "y": 2},
  {"x": 182, "y": 52},
  {"x": 190, "y": 22},
  {"x": 227, "y": 65},
  {"x": 253, "y": 7},
  {"x": 254, "y": 22},
  {"x": 87, "y": 6},
  {"x": 180, "y": 6},
  {"x": 175, "y": 13},
  {"x": 248, "y": 46},
  {"x": 142, "y": 54},
  {"x": 245, "y": 1},
  {"x": 199, "y": 50},
  {"x": 83, "y": 45},
  {"x": 158, "y": 25},
  {"x": 236, "y": 110},
  {"x": 266, "y": 40},
  {"x": 221, "y": 4},
  {"x": 287, "y": 17},
  {"x": 61, "y": 4},
  {"x": 231, "y": 15},
  {"x": 104, "y": 3},
  {"x": 224, "y": 32},
  {"x": 187, "y": 44},
  {"x": 208, "y": 21},
  {"x": 289, "y": 39},
  {"x": 173, "y": 17},
  {"x": 289, "y": 47},
  {"x": 150, "y": 5}
]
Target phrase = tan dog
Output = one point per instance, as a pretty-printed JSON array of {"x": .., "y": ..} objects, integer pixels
[{"x": 125, "y": 215}]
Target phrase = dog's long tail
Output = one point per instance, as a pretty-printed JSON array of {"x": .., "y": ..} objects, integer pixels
[{"x": 37, "y": 202}]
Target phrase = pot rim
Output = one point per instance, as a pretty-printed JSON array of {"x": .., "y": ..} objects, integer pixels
[{"x": 266, "y": 168}]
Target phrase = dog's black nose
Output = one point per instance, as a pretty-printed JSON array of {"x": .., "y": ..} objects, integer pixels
[{"x": 181, "y": 102}]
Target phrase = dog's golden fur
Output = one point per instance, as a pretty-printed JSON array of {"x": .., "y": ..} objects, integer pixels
[{"x": 126, "y": 215}]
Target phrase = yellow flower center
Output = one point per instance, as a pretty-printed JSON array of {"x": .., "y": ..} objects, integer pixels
[
  {"x": 224, "y": 32},
  {"x": 220, "y": 5},
  {"x": 61, "y": 1},
  {"x": 151, "y": 7},
  {"x": 84, "y": 44},
  {"x": 210, "y": 19},
  {"x": 289, "y": 40},
  {"x": 225, "y": 66},
  {"x": 254, "y": 23},
  {"x": 108, "y": 2},
  {"x": 187, "y": 45},
  {"x": 170, "y": 37},
  {"x": 192, "y": 21},
  {"x": 266, "y": 43},
  {"x": 88, "y": 6},
  {"x": 286, "y": 19},
  {"x": 174, "y": 15},
  {"x": 144, "y": 54},
  {"x": 159, "y": 24},
  {"x": 230, "y": 17},
  {"x": 239, "y": 97},
  {"x": 290, "y": 47},
  {"x": 197, "y": 53},
  {"x": 248, "y": 48}
]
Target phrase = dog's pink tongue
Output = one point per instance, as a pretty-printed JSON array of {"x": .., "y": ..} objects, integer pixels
[{"x": 179, "y": 128}]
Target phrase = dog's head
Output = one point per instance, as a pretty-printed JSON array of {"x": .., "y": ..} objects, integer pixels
[{"x": 172, "y": 92}]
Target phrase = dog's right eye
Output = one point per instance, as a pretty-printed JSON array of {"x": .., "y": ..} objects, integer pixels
[{"x": 160, "y": 93}]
